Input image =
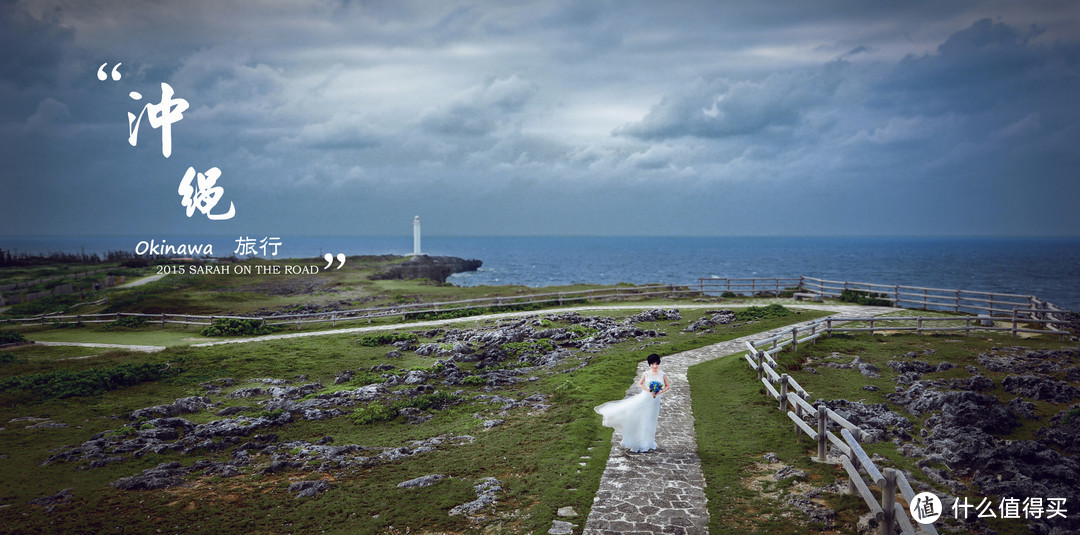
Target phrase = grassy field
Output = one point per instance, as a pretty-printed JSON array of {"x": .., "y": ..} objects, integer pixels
[
  {"x": 727, "y": 396},
  {"x": 544, "y": 459},
  {"x": 207, "y": 294}
]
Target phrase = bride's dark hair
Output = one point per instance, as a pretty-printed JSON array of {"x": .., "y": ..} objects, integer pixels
[{"x": 653, "y": 359}]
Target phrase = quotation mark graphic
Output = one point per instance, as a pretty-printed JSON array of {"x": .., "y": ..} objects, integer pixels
[
  {"x": 330, "y": 260},
  {"x": 115, "y": 72}
]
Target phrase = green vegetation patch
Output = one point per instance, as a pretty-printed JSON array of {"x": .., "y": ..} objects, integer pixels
[
  {"x": 64, "y": 383},
  {"x": 736, "y": 425},
  {"x": 864, "y": 298},
  {"x": 239, "y": 327},
  {"x": 12, "y": 337},
  {"x": 126, "y": 322},
  {"x": 544, "y": 458},
  {"x": 383, "y": 339},
  {"x": 755, "y": 313}
]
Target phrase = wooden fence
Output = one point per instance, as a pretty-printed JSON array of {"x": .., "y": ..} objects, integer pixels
[
  {"x": 793, "y": 398},
  {"x": 791, "y": 395},
  {"x": 370, "y": 314},
  {"x": 748, "y": 286},
  {"x": 1015, "y": 307},
  {"x": 928, "y": 298}
]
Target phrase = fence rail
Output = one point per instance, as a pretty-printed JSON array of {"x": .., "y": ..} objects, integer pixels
[
  {"x": 793, "y": 400},
  {"x": 926, "y": 298},
  {"x": 986, "y": 306},
  {"x": 369, "y": 314},
  {"x": 749, "y": 286}
]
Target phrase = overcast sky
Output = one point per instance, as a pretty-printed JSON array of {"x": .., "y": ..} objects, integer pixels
[{"x": 545, "y": 117}]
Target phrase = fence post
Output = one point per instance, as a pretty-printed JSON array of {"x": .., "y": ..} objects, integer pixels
[
  {"x": 162, "y": 319},
  {"x": 1014, "y": 320},
  {"x": 920, "y": 325},
  {"x": 956, "y": 305},
  {"x": 828, "y": 328},
  {"x": 967, "y": 326},
  {"x": 799, "y": 413},
  {"x": 794, "y": 339},
  {"x": 871, "y": 327},
  {"x": 888, "y": 497},
  {"x": 760, "y": 364},
  {"x": 896, "y": 296},
  {"x": 783, "y": 392},
  {"x": 852, "y": 488},
  {"x": 821, "y": 430}
]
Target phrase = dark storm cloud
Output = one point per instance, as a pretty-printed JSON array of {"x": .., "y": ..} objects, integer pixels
[
  {"x": 540, "y": 117},
  {"x": 720, "y": 108}
]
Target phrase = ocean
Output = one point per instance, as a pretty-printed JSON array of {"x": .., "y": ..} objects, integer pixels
[{"x": 1048, "y": 268}]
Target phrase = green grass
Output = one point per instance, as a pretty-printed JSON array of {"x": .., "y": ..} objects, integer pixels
[
  {"x": 545, "y": 460},
  {"x": 736, "y": 424},
  {"x": 729, "y": 458}
]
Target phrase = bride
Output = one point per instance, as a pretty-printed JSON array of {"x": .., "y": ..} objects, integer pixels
[{"x": 635, "y": 417}]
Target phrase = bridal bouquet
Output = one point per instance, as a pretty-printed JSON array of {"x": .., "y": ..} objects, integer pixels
[{"x": 655, "y": 387}]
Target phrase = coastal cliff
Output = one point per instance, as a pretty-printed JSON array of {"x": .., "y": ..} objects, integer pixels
[{"x": 434, "y": 268}]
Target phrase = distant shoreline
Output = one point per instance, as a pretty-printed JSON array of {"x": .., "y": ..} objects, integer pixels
[{"x": 1046, "y": 267}]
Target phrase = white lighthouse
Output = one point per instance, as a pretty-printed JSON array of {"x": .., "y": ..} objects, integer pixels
[{"x": 416, "y": 236}]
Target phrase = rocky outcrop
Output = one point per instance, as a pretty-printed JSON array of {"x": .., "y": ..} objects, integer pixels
[
  {"x": 434, "y": 268},
  {"x": 963, "y": 428},
  {"x": 712, "y": 318},
  {"x": 308, "y": 489},
  {"x": 485, "y": 496}
]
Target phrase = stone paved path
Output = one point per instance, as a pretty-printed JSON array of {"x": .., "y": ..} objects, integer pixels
[{"x": 662, "y": 491}]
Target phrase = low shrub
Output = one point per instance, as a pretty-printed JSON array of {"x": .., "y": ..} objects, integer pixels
[
  {"x": 126, "y": 322},
  {"x": 436, "y": 400},
  {"x": 272, "y": 415},
  {"x": 760, "y": 313},
  {"x": 864, "y": 298},
  {"x": 384, "y": 339},
  {"x": 474, "y": 380},
  {"x": 12, "y": 337},
  {"x": 239, "y": 327},
  {"x": 376, "y": 412},
  {"x": 64, "y": 384}
]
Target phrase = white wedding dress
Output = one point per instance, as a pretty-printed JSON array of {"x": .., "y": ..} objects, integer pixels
[{"x": 635, "y": 417}]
